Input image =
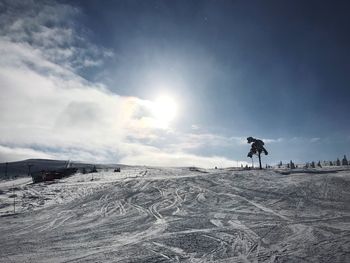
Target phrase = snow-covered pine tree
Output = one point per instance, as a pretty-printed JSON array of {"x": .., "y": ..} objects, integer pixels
[
  {"x": 312, "y": 164},
  {"x": 292, "y": 166},
  {"x": 338, "y": 162},
  {"x": 345, "y": 161}
]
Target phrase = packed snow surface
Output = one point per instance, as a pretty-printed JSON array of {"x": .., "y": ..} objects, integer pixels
[{"x": 145, "y": 214}]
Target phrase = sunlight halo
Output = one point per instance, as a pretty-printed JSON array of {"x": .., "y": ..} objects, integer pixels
[{"x": 164, "y": 110}]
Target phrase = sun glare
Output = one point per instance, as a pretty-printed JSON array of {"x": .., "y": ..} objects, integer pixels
[{"x": 164, "y": 110}]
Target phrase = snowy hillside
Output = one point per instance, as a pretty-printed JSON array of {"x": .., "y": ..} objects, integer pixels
[{"x": 178, "y": 215}]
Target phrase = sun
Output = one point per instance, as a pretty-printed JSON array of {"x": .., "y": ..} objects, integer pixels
[{"x": 164, "y": 110}]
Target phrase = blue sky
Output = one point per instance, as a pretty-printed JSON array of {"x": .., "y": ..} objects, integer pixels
[{"x": 80, "y": 80}]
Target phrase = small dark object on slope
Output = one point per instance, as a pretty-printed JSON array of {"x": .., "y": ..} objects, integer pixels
[
  {"x": 52, "y": 175},
  {"x": 94, "y": 170}
]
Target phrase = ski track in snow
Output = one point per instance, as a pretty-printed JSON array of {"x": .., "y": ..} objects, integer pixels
[{"x": 148, "y": 214}]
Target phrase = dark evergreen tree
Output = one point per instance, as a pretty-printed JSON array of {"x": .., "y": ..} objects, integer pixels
[
  {"x": 330, "y": 163},
  {"x": 312, "y": 164},
  {"x": 319, "y": 164},
  {"x": 257, "y": 147},
  {"x": 291, "y": 165},
  {"x": 338, "y": 162},
  {"x": 280, "y": 164},
  {"x": 345, "y": 161}
]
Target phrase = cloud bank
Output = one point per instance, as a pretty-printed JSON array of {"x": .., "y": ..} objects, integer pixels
[{"x": 49, "y": 111}]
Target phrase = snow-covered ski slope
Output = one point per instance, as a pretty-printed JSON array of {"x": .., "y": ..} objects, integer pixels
[{"x": 177, "y": 215}]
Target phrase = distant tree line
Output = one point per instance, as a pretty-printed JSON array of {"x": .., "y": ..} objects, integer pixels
[
  {"x": 312, "y": 164},
  {"x": 344, "y": 161}
]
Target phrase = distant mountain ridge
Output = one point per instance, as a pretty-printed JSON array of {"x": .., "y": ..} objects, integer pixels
[{"x": 21, "y": 168}]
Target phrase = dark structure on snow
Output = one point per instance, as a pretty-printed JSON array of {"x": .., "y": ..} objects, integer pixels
[
  {"x": 50, "y": 175},
  {"x": 257, "y": 148}
]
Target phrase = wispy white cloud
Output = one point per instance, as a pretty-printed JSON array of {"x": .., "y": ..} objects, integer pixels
[
  {"x": 20, "y": 153},
  {"x": 49, "y": 29},
  {"x": 157, "y": 157},
  {"x": 195, "y": 127},
  {"x": 315, "y": 139},
  {"x": 278, "y": 140}
]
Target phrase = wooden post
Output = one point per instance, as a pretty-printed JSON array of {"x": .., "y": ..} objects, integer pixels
[
  {"x": 29, "y": 168},
  {"x": 6, "y": 165},
  {"x": 14, "y": 198}
]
